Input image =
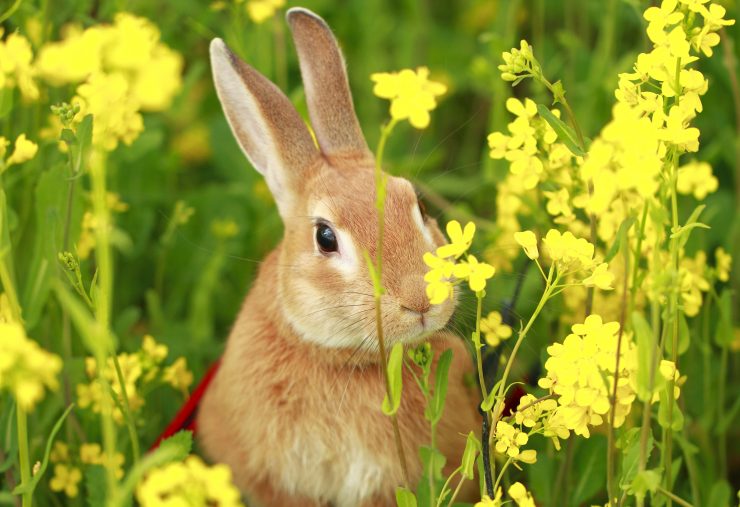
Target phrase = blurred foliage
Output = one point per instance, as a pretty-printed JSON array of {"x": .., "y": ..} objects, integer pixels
[{"x": 199, "y": 219}]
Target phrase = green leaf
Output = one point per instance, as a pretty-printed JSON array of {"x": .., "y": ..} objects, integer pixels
[
  {"x": 724, "y": 335},
  {"x": 621, "y": 236},
  {"x": 467, "y": 467},
  {"x": 684, "y": 336},
  {"x": 24, "y": 488},
  {"x": 95, "y": 482},
  {"x": 630, "y": 445},
  {"x": 179, "y": 445},
  {"x": 564, "y": 132},
  {"x": 644, "y": 335},
  {"x": 405, "y": 498},
  {"x": 82, "y": 142},
  {"x": 646, "y": 481},
  {"x": 92, "y": 337},
  {"x": 720, "y": 494},
  {"x": 684, "y": 231},
  {"x": 589, "y": 469},
  {"x": 669, "y": 413},
  {"x": 395, "y": 362},
  {"x": 436, "y": 405}
]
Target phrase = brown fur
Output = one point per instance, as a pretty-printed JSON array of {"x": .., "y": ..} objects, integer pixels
[{"x": 295, "y": 406}]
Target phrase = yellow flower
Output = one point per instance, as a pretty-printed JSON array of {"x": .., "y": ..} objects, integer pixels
[
  {"x": 476, "y": 273},
  {"x": 509, "y": 439},
  {"x": 156, "y": 352},
  {"x": 91, "y": 454},
  {"x": 460, "y": 239},
  {"x": 724, "y": 263},
  {"x": 600, "y": 278},
  {"x": 117, "y": 118},
  {"x": 190, "y": 483},
  {"x": 567, "y": 251},
  {"x": 439, "y": 286},
  {"x": 24, "y": 150},
  {"x": 178, "y": 375},
  {"x": 412, "y": 94},
  {"x": 528, "y": 241},
  {"x": 580, "y": 371},
  {"x": 494, "y": 329},
  {"x": 520, "y": 495},
  {"x": 25, "y": 368},
  {"x": 261, "y": 10},
  {"x": 16, "y": 67},
  {"x": 696, "y": 178},
  {"x": 530, "y": 411},
  {"x": 66, "y": 478},
  {"x": 59, "y": 453},
  {"x": 487, "y": 501}
]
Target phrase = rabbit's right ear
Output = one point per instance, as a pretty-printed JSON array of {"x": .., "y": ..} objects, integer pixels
[{"x": 266, "y": 125}]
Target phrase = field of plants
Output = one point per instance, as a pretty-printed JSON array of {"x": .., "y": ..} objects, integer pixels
[{"x": 582, "y": 156}]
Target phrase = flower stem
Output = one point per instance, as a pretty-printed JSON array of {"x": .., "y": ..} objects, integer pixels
[
  {"x": 380, "y": 179},
  {"x": 478, "y": 346},
  {"x": 23, "y": 454},
  {"x": 610, "y": 452}
]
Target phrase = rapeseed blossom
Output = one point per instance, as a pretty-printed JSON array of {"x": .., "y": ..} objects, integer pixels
[
  {"x": 16, "y": 65},
  {"x": 520, "y": 495},
  {"x": 122, "y": 69},
  {"x": 25, "y": 368},
  {"x": 139, "y": 370},
  {"x": 412, "y": 94},
  {"x": 448, "y": 268},
  {"x": 509, "y": 439},
  {"x": 23, "y": 151},
  {"x": 724, "y": 263},
  {"x": 190, "y": 483},
  {"x": 494, "y": 329},
  {"x": 66, "y": 478},
  {"x": 580, "y": 371}
]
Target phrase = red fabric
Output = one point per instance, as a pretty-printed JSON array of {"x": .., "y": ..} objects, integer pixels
[{"x": 185, "y": 417}]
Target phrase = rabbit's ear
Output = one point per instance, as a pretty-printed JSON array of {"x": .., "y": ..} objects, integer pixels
[
  {"x": 266, "y": 125},
  {"x": 327, "y": 90}
]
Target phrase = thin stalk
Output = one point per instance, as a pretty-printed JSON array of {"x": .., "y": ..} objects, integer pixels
[
  {"x": 638, "y": 251},
  {"x": 103, "y": 258},
  {"x": 477, "y": 343},
  {"x": 456, "y": 492},
  {"x": 671, "y": 496},
  {"x": 378, "y": 292},
  {"x": 127, "y": 411},
  {"x": 23, "y": 454},
  {"x": 502, "y": 386},
  {"x": 610, "y": 451},
  {"x": 501, "y": 474},
  {"x": 446, "y": 485},
  {"x": 722, "y": 437}
]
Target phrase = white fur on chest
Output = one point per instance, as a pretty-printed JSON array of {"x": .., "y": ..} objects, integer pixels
[{"x": 341, "y": 471}]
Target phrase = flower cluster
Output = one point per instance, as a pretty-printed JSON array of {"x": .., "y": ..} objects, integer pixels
[
  {"x": 494, "y": 329},
  {"x": 412, "y": 94},
  {"x": 121, "y": 69},
  {"x": 448, "y": 268},
  {"x": 68, "y": 466},
  {"x": 188, "y": 484},
  {"x": 569, "y": 255},
  {"x": 16, "y": 65},
  {"x": 25, "y": 368},
  {"x": 581, "y": 372},
  {"x": 517, "y": 492},
  {"x": 140, "y": 370}
]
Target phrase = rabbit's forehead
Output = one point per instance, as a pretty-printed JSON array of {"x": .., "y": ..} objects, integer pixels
[{"x": 348, "y": 200}]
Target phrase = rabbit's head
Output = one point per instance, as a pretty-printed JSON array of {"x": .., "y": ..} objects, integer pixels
[{"x": 325, "y": 194}]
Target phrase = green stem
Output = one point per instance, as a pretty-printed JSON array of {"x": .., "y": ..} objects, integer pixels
[
  {"x": 457, "y": 491},
  {"x": 102, "y": 307},
  {"x": 380, "y": 179},
  {"x": 610, "y": 451},
  {"x": 446, "y": 485},
  {"x": 501, "y": 475},
  {"x": 478, "y": 346},
  {"x": 23, "y": 454},
  {"x": 127, "y": 411},
  {"x": 671, "y": 496}
]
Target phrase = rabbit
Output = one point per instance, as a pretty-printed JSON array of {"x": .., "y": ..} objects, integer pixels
[{"x": 295, "y": 407}]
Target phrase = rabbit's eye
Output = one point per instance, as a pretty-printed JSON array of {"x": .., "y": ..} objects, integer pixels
[{"x": 326, "y": 239}]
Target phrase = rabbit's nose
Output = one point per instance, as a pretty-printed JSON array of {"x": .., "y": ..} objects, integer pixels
[{"x": 412, "y": 294}]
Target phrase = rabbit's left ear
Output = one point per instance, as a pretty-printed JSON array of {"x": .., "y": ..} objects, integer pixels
[{"x": 328, "y": 95}]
